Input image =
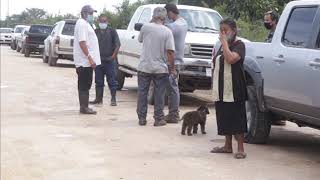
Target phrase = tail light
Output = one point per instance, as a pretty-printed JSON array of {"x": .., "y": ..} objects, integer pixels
[{"x": 58, "y": 40}]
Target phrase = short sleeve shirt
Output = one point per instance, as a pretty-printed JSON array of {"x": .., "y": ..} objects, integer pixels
[
  {"x": 157, "y": 39},
  {"x": 84, "y": 32}
]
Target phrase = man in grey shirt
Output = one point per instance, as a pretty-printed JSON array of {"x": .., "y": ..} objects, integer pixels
[
  {"x": 179, "y": 28},
  {"x": 158, "y": 50}
]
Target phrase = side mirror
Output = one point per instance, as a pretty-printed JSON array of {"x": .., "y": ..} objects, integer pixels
[
  {"x": 26, "y": 32},
  {"x": 138, "y": 26}
]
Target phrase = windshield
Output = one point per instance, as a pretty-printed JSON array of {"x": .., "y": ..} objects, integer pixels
[
  {"x": 40, "y": 29},
  {"x": 5, "y": 30},
  {"x": 18, "y": 29},
  {"x": 201, "y": 21}
]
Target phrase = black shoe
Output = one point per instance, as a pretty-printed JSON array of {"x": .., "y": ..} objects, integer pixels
[
  {"x": 113, "y": 98},
  {"x": 87, "y": 111},
  {"x": 142, "y": 122},
  {"x": 99, "y": 96},
  {"x": 160, "y": 123},
  {"x": 171, "y": 119}
]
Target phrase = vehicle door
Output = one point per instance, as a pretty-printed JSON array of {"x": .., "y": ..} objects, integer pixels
[
  {"x": 48, "y": 40},
  {"x": 294, "y": 78},
  {"x": 53, "y": 37},
  {"x": 67, "y": 37}
]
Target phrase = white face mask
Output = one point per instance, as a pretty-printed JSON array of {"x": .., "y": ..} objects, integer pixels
[{"x": 103, "y": 25}]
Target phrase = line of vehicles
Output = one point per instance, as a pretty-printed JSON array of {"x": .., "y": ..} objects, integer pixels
[{"x": 283, "y": 76}]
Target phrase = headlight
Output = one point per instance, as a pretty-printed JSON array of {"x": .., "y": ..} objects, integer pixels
[{"x": 187, "y": 50}]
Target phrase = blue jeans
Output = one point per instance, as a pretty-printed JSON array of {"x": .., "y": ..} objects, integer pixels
[
  {"x": 107, "y": 69},
  {"x": 173, "y": 95},
  {"x": 160, "y": 82}
]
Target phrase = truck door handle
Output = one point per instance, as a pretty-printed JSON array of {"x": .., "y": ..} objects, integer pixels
[
  {"x": 259, "y": 57},
  {"x": 133, "y": 36},
  {"x": 279, "y": 59},
  {"x": 315, "y": 63}
]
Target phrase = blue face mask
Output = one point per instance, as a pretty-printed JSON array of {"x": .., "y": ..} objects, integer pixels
[
  {"x": 103, "y": 25},
  {"x": 90, "y": 19}
]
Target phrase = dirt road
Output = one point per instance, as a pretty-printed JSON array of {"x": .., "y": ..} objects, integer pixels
[{"x": 43, "y": 137}]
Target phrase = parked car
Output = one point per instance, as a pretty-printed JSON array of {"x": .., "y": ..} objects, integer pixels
[
  {"x": 203, "y": 33},
  {"x": 20, "y": 39},
  {"x": 34, "y": 39},
  {"x": 16, "y": 32},
  {"x": 59, "y": 44},
  {"x": 284, "y": 75},
  {"x": 5, "y": 35}
]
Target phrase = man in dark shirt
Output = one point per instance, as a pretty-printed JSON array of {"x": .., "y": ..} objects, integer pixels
[
  {"x": 109, "y": 45},
  {"x": 270, "y": 22}
]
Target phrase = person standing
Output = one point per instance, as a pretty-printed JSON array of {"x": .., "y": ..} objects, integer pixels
[
  {"x": 270, "y": 22},
  {"x": 179, "y": 28},
  {"x": 229, "y": 89},
  {"x": 158, "y": 49},
  {"x": 86, "y": 56},
  {"x": 109, "y": 44}
]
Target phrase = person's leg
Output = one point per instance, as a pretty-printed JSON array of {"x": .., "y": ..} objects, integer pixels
[
  {"x": 112, "y": 80},
  {"x": 160, "y": 83},
  {"x": 173, "y": 99},
  {"x": 144, "y": 81},
  {"x": 84, "y": 84},
  {"x": 240, "y": 154},
  {"x": 99, "y": 80}
]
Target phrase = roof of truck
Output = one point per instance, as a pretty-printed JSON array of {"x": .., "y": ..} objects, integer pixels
[
  {"x": 181, "y": 7},
  {"x": 304, "y": 2}
]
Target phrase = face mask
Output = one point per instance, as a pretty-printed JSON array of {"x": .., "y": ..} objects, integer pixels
[
  {"x": 267, "y": 25},
  {"x": 103, "y": 25},
  {"x": 230, "y": 38},
  {"x": 90, "y": 19}
]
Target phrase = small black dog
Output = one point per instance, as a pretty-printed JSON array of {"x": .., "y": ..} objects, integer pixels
[{"x": 192, "y": 119}]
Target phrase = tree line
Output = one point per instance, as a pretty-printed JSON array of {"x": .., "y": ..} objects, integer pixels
[{"x": 248, "y": 13}]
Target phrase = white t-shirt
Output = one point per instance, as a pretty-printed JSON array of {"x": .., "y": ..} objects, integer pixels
[{"x": 84, "y": 32}]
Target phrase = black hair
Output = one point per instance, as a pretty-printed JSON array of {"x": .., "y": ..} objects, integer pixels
[
  {"x": 230, "y": 22},
  {"x": 172, "y": 7},
  {"x": 274, "y": 15}
]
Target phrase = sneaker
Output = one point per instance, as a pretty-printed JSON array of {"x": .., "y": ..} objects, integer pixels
[
  {"x": 142, "y": 122},
  {"x": 171, "y": 119},
  {"x": 160, "y": 123}
]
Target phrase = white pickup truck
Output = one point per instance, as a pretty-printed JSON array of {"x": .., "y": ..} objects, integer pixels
[{"x": 203, "y": 33}]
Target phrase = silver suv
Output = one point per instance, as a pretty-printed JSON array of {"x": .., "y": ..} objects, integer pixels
[{"x": 59, "y": 44}]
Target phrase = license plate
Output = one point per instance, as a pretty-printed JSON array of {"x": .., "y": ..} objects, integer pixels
[
  {"x": 41, "y": 46},
  {"x": 208, "y": 72}
]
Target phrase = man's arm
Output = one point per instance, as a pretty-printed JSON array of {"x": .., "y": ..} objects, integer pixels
[
  {"x": 85, "y": 50},
  {"x": 171, "y": 58},
  {"x": 117, "y": 45}
]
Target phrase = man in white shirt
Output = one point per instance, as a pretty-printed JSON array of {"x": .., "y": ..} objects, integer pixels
[{"x": 86, "y": 56}]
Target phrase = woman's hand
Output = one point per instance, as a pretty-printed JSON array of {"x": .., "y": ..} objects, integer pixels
[{"x": 223, "y": 38}]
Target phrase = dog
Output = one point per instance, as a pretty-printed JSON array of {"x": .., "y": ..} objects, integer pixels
[{"x": 192, "y": 119}]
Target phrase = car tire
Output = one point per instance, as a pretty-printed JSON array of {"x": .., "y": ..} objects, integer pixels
[
  {"x": 52, "y": 61},
  {"x": 259, "y": 123},
  {"x": 23, "y": 49},
  {"x": 26, "y": 52},
  {"x": 13, "y": 46},
  {"x": 121, "y": 76},
  {"x": 45, "y": 58}
]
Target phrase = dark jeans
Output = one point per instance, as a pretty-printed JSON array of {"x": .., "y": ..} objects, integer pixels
[
  {"x": 173, "y": 95},
  {"x": 84, "y": 78},
  {"x": 107, "y": 69},
  {"x": 160, "y": 82}
]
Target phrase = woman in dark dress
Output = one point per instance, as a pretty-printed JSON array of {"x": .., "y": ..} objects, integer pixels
[{"x": 229, "y": 89}]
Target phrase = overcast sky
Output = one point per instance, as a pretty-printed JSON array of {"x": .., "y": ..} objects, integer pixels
[{"x": 55, "y": 6}]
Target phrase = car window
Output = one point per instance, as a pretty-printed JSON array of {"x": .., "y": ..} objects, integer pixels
[
  {"x": 135, "y": 18},
  {"x": 299, "y": 28},
  {"x": 68, "y": 29},
  {"x": 41, "y": 29},
  {"x": 18, "y": 29},
  {"x": 145, "y": 16}
]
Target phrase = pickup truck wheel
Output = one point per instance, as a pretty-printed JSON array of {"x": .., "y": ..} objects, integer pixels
[
  {"x": 51, "y": 60},
  {"x": 18, "y": 49},
  {"x": 44, "y": 58},
  {"x": 121, "y": 76},
  {"x": 259, "y": 123},
  {"x": 13, "y": 46},
  {"x": 27, "y": 52},
  {"x": 23, "y": 49}
]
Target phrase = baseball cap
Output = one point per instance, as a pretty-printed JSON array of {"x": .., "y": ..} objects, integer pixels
[{"x": 88, "y": 9}]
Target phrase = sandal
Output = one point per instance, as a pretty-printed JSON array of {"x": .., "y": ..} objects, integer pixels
[
  {"x": 240, "y": 155},
  {"x": 220, "y": 150}
]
